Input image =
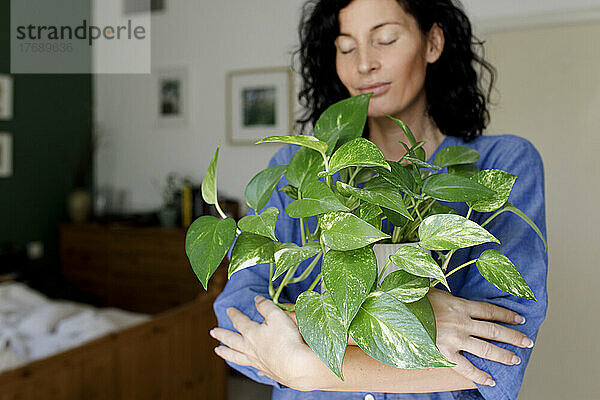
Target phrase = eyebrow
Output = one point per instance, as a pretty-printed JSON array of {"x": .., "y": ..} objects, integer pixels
[{"x": 374, "y": 28}]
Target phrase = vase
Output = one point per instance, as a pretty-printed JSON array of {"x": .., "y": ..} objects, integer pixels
[
  {"x": 383, "y": 253},
  {"x": 167, "y": 217},
  {"x": 79, "y": 205}
]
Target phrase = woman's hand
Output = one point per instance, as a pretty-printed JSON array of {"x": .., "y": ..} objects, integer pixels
[
  {"x": 461, "y": 326},
  {"x": 274, "y": 347}
]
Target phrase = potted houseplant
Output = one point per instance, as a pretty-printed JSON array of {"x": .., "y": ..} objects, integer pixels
[
  {"x": 167, "y": 215},
  {"x": 370, "y": 205}
]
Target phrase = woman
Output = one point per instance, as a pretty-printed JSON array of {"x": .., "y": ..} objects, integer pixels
[{"x": 416, "y": 57}]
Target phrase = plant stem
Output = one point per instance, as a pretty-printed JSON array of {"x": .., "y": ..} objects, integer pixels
[
  {"x": 307, "y": 271},
  {"x": 447, "y": 260},
  {"x": 302, "y": 230},
  {"x": 385, "y": 267},
  {"x": 222, "y": 214},
  {"x": 271, "y": 290},
  {"x": 469, "y": 213},
  {"x": 460, "y": 267},
  {"x": 356, "y": 171},
  {"x": 487, "y": 221},
  {"x": 317, "y": 279}
]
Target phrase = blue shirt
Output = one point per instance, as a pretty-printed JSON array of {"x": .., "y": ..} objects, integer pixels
[{"x": 519, "y": 243}]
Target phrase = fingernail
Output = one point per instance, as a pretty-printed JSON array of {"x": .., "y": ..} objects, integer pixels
[
  {"x": 527, "y": 343},
  {"x": 516, "y": 360},
  {"x": 212, "y": 332},
  {"x": 217, "y": 350},
  {"x": 519, "y": 319},
  {"x": 258, "y": 298},
  {"x": 490, "y": 382}
]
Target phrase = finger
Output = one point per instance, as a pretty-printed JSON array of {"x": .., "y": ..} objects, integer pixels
[
  {"x": 240, "y": 321},
  {"x": 483, "y": 349},
  {"x": 292, "y": 316},
  {"x": 468, "y": 370},
  {"x": 233, "y": 356},
  {"x": 499, "y": 333},
  {"x": 267, "y": 308},
  {"x": 229, "y": 338},
  {"x": 491, "y": 312}
]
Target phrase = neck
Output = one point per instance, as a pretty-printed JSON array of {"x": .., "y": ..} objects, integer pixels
[{"x": 386, "y": 135}]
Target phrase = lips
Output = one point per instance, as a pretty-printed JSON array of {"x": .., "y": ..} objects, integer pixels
[{"x": 375, "y": 88}]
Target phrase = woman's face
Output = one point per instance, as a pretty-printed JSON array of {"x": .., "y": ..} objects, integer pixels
[{"x": 381, "y": 49}]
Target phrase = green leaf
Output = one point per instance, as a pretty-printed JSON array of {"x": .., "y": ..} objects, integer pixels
[
  {"x": 419, "y": 263},
  {"x": 370, "y": 213},
  {"x": 250, "y": 250},
  {"x": 303, "y": 140},
  {"x": 420, "y": 153},
  {"x": 290, "y": 191},
  {"x": 404, "y": 286},
  {"x": 304, "y": 165},
  {"x": 456, "y": 155},
  {"x": 401, "y": 177},
  {"x": 423, "y": 310},
  {"x": 288, "y": 255},
  {"x": 500, "y": 182},
  {"x": 396, "y": 219},
  {"x": 358, "y": 153},
  {"x": 437, "y": 208},
  {"x": 343, "y": 121},
  {"x": 383, "y": 194},
  {"x": 421, "y": 164},
  {"x": 209, "y": 183},
  {"x": 322, "y": 328},
  {"x": 447, "y": 187},
  {"x": 263, "y": 224},
  {"x": 464, "y": 170},
  {"x": 317, "y": 199},
  {"x": 452, "y": 232},
  {"x": 348, "y": 276},
  {"x": 515, "y": 210},
  {"x": 206, "y": 244},
  {"x": 501, "y": 272},
  {"x": 390, "y": 333},
  {"x": 345, "y": 231},
  {"x": 261, "y": 187}
]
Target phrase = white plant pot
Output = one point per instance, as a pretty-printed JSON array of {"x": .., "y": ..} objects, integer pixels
[{"x": 383, "y": 253}]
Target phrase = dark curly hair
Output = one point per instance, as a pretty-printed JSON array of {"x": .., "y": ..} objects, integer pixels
[{"x": 457, "y": 99}]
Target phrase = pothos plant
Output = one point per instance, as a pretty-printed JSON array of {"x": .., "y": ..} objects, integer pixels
[{"x": 371, "y": 200}]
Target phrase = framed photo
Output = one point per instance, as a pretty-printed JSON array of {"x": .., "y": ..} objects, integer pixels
[
  {"x": 260, "y": 103},
  {"x": 137, "y": 6},
  {"x": 172, "y": 98},
  {"x": 6, "y": 97},
  {"x": 5, "y": 155}
]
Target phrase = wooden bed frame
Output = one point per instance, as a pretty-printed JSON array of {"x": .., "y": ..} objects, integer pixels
[{"x": 168, "y": 357}]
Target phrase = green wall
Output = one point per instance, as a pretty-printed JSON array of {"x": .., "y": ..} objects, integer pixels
[{"x": 51, "y": 125}]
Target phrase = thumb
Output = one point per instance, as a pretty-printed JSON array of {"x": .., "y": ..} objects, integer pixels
[{"x": 266, "y": 307}]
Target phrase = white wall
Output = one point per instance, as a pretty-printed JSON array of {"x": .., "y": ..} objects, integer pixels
[
  {"x": 208, "y": 38},
  {"x": 549, "y": 92}
]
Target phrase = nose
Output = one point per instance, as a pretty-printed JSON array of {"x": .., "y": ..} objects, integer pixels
[{"x": 368, "y": 60}]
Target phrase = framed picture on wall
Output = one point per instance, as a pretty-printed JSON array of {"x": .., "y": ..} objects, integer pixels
[
  {"x": 172, "y": 98},
  {"x": 6, "y": 97},
  {"x": 259, "y": 104},
  {"x": 5, "y": 155}
]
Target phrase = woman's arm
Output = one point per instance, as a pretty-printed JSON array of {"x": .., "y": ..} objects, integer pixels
[{"x": 277, "y": 350}]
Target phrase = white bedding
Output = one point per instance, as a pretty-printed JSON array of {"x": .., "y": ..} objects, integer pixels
[{"x": 33, "y": 326}]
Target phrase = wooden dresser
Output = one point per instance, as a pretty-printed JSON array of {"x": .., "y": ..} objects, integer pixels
[{"x": 122, "y": 265}]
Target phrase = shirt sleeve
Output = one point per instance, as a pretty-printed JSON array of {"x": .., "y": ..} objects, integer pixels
[
  {"x": 244, "y": 285},
  {"x": 526, "y": 250}
]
